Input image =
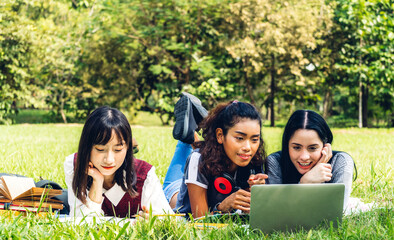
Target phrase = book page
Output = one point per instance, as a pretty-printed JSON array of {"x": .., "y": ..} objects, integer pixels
[
  {"x": 15, "y": 186},
  {"x": 39, "y": 192},
  {"x": 3, "y": 191}
]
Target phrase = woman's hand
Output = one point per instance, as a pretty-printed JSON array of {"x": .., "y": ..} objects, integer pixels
[
  {"x": 237, "y": 200},
  {"x": 322, "y": 171},
  {"x": 144, "y": 213},
  {"x": 96, "y": 190},
  {"x": 326, "y": 154},
  {"x": 257, "y": 179},
  {"x": 95, "y": 174}
]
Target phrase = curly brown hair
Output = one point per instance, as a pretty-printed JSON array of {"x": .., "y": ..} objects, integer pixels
[{"x": 225, "y": 116}]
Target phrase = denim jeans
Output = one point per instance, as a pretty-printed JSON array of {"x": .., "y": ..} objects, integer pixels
[{"x": 174, "y": 175}]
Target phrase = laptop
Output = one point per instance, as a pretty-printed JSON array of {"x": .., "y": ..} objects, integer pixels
[{"x": 286, "y": 207}]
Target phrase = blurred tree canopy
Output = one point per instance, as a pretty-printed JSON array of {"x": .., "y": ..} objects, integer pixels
[{"x": 71, "y": 56}]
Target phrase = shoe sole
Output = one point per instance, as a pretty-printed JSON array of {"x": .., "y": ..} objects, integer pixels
[
  {"x": 196, "y": 103},
  {"x": 188, "y": 113},
  {"x": 181, "y": 114}
]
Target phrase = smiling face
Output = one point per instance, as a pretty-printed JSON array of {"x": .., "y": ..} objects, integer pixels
[
  {"x": 241, "y": 142},
  {"x": 305, "y": 147},
  {"x": 109, "y": 157}
]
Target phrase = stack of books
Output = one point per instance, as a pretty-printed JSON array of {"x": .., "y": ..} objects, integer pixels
[{"x": 21, "y": 194}]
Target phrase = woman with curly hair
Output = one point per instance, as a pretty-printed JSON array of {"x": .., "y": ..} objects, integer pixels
[{"x": 220, "y": 171}]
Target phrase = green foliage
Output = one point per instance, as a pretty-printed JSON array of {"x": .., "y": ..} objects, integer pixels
[
  {"x": 368, "y": 54},
  {"x": 144, "y": 53},
  {"x": 71, "y": 56},
  {"x": 273, "y": 40},
  {"x": 14, "y": 55}
]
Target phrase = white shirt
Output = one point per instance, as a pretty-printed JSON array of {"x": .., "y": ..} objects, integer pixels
[{"x": 152, "y": 194}]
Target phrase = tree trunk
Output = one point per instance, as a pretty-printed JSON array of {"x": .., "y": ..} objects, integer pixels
[
  {"x": 248, "y": 85},
  {"x": 267, "y": 115},
  {"x": 365, "y": 105},
  {"x": 292, "y": 107},
  {"x": 327, "y": 104},
  {"x": 362, "y": 98},
  {"x": 272, "y": 95},
  {"x": 391, "y": 122},
  {"x": 62, "y": 107},
  {"x": 161, "y": 116},
  {"x": 360, "y": 105}
]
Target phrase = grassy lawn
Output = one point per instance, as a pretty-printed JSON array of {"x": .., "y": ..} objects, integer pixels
[{"x": 39, "y": 151}]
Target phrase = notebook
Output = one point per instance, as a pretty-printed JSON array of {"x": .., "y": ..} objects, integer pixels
[{"x": 286, "y": 207}]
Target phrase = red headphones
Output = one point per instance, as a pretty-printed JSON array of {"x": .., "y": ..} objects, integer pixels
[{"x": 225, "y": 184}]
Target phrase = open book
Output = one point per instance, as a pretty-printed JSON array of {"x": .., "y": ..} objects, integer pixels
[{"x": 22, "y": 191}]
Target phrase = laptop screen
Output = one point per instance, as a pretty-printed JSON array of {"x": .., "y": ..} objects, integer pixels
[{"x": 293, "y": 206}]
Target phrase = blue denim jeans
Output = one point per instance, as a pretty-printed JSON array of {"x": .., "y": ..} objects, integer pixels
[{"x": 174, "y": 175}]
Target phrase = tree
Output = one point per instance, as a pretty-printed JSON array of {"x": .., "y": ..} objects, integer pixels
[
  {"x": 58, "y": 48},
  {"x": 146, "y": 52},
  {"x": 270, "y": 41},
  {"x": 368, "y": 55},
  {"x": 15, "y": 49}
]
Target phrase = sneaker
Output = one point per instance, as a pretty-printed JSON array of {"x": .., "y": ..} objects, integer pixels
[{"x": 188, "y": 114}]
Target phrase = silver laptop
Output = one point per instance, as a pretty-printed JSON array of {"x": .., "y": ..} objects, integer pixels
[{"x": 285, "y": 207}]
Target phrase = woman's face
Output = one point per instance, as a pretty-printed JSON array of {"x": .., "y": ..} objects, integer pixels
[
  {"x": 241, "y": 142},
  {"x": 109, "y": 157},
  {"x": 305, "y": 147}
]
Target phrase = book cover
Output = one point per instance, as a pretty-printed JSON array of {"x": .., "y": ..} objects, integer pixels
[
  {"x": 13, "y": 188},
  {"x": 36, "y": 204}
]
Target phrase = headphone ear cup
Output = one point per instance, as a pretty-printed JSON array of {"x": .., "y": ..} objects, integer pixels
[{"x": 224, "y": 184}]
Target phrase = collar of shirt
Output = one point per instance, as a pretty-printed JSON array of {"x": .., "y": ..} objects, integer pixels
[{"x": 114, "y": 194}]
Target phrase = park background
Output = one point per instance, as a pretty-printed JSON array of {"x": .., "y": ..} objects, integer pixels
[
  {"x": 67, "y": 57},
  {"x": 60, "y": 59}
]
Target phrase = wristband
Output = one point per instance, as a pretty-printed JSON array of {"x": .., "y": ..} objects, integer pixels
[{"x": 215, "y": 208}]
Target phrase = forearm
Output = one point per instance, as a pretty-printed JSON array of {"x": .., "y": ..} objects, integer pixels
[
  {"x": 199, "y": 208},
  {"x": 274, "y": 170},
  {"x": 343, "y": 173},
  {"x": 198, "y": 200},
  {"x": 77, "y": 208},
  {"x": 153, "y": 195},
  {"x": 96, "y": 192}
]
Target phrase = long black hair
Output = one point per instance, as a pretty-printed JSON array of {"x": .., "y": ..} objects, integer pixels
[
  {"x": 301, "y": 119},
  {"x": 98, "y": 131},
  {"x": 225, "y": 116}
]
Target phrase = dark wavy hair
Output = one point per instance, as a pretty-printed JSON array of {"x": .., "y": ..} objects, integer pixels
[
  {"x": 301, "y": 119},
  {"x": 98, "y": 131},
  {"x": 225, "y": 116}
]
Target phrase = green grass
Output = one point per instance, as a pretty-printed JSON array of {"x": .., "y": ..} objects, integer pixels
[{"x": 39, "y": 151}]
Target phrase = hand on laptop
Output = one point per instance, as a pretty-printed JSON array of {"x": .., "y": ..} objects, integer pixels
[
  {"x": 238, "y": 200},
  {"x": 257, "y": 179}
]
